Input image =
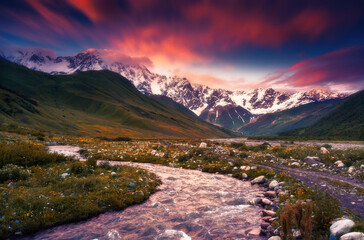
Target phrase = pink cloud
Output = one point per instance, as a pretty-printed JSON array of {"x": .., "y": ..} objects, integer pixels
[{"x": 341, "y": 67}]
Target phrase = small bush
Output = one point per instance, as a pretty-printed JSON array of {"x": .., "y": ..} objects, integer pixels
[
  {"x": 325, "y": 209},
  {"x": 183, "y": 158},
  {"x": 26, "y": 154},
  {"x": 80, "y": 168},
  {"x": 297, "y": 216},
  {"x": 91, "y": 162},
  {"x": 13, "y": 173}
]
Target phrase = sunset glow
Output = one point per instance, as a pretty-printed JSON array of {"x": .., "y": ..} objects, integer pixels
[{"x": 228, "y": 44}]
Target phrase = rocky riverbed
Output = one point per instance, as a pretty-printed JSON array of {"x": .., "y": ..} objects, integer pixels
[{"x": 190, "y": 204}]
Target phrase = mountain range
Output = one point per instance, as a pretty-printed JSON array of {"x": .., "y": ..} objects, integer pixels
[
  {"x": 346, "y": 122},
  {"x": 96, "y": 103},
  {"x": 230, "y": 109}
]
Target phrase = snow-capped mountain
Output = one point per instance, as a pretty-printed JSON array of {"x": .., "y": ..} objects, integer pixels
[{"x": 230, "y": 109}]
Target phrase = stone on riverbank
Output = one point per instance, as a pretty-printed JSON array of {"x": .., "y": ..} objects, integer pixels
[
  {"x": 341, "y": 227},
  {"x": 258, "y": 180}
]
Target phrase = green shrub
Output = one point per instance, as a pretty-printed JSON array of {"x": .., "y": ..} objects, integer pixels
[
  {"x": 183, "y": 158},
  {"x": 91, "y": 162},
  {"x": 26, "y": 154},
  {"x": 80, "y": 168},
  {"x": 325, "y": 209},
  {"x": 13, "y": 173}
]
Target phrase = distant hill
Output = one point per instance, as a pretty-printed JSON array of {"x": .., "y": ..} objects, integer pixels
[
  {"x": 345, "y": 123},
  {"x": 302, "y": 116},
  {"x": 99, "y": 103}
]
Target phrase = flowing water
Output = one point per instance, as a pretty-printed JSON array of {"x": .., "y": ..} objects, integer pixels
[{"x": 188, "y": 205}]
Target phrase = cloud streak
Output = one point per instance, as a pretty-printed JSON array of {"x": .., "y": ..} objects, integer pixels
[{"x": 343, "y": 67}]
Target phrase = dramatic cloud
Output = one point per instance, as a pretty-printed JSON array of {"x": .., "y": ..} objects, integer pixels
[
  {"x": 109, "y": 57},
  {"x": 260, "y": 34},
  {"x": 343, "y": 67}
]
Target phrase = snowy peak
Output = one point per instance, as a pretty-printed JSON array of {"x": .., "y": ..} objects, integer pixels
[{"x": 219, "y": 106}]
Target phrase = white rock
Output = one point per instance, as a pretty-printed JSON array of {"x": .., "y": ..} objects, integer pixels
[
  {"x": 113, "y": 235},
  {"x": 323, "y": 150},
  {"x": 244, "y": 175},
  {"x": 259, "y": 180},
  {"x": 65, "y": 175},
  {"x": 351, "y": 169},
  {"x": 341, "y": 227},
  {"x": 339, "y": 164},
  {"x": 113, "y": 173},
  {"x": 353, "y": 236},
  {"x": 266, "y": 201},
  {"x": 203, "y": 145},
  {"x": 173, "y": 234},
  {"x": 362, "y": 166},
  {"x": 295, "y": 164},
  {"x": 273, "y": 184},
  {"x": 269, "y": 213},
  {"x": 255, "y": 201},
  {"x": 274, "y": 238},
  {"x": 247, "y": 168},
  {"x": 153, "y": 152},
  {"x": 242, "y": 168}
]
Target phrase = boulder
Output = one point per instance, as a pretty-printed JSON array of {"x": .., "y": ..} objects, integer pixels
[
  {"x": 268, "y": 213},
  {"x": 258, "y": 180},
  {"x": 312, "y": 160},
  {"x": 203, "y": 145},
  {"x": 341, "y": 227},
  {"x": 353, "y": 236},
  {"x": 339, "y": 164},
  {"x": 266, "y": 201},
  {"x": 323, "y": 150},
  {"x": 273, "y": 184},
  {"x": 351, "y": 169}
]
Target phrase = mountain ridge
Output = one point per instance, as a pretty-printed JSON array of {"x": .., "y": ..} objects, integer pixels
[
  {"x": 346, "y": 122},
  {"x": 95, "y": 103},
  {"x": 202, "y": 100}
]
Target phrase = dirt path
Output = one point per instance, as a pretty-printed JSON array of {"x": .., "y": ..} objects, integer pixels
[
  {"x": 190, "y": 204},
  {"x": 348, "y": 199}
]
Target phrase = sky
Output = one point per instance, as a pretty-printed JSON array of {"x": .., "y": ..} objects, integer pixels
[{"x": 231, "y": 44}]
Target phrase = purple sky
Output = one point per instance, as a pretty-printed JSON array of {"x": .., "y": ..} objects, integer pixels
[{"x": 229, "y": 44}]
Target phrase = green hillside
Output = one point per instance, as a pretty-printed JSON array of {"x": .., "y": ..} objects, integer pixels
[
  {"x": 344, "y": 123},
  {"x": 98, "y": 103},
  {"x": 298, "y": 117}
]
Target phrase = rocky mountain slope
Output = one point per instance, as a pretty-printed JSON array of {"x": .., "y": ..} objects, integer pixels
[
  {"x": 96, "y": 103},
  {"x": 230, "y": 109},
  {"x": 345, "y": 122},
  {"x": 302, "y": 116}
]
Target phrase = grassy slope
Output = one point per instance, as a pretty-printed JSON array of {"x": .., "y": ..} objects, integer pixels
[
  {"x": 298, "y": 117},
  {"x": 346, "y": 122},
  {"x": 99, "y": 103}
]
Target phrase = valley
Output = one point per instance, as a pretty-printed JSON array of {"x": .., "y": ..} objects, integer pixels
[{"x": 204, "y": 184}]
